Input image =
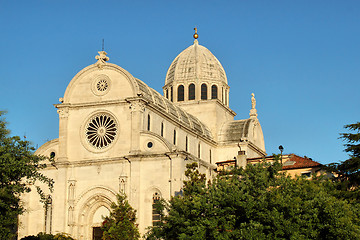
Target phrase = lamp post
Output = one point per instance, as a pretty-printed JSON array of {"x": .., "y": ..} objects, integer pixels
[{"x": 281, "y": 148}]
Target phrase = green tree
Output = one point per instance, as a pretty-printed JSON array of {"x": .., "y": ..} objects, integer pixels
[
  {"x": 348, "y": 172},
  {"x": 258, "y": 202},
  {"x": 19, "y": 170},
  {"x": 45, "y": 236},
  {"x": 121, "y": 224}
]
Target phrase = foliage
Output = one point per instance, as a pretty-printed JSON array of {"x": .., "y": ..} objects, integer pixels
[
  {"x": 19, "y": 170},
  {"x": 348, "y": 172},
  {"x": 258, "y": 202},
  {"x": 120, "y": 225},
  {"x": 45, "y": 236}
]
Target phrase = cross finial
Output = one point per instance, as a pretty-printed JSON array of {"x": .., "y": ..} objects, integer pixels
[
  {"x": 196, "y": 35},
  {"x": 102, "y": 58}
]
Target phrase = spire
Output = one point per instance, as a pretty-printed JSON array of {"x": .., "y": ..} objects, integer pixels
[
  {"x": 253, "y": 112},
  {"x": 195, "y": 36}
]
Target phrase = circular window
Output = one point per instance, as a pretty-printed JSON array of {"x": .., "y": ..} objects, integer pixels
[
  {"x": 101, "y": 130},
  {"x": 101, "y": 85},
  {"x": 150, "y": 144}
]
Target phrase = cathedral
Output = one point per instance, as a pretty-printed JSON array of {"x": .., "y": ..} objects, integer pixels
[{"x": 118, "y": 134}]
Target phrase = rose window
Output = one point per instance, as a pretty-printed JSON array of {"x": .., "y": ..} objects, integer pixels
[
  {"x": 102, "y": 85},
  {"x": 101, "y": 131}
]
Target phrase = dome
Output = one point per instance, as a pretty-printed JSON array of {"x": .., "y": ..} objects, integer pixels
[{"x": 196, "y": 63}]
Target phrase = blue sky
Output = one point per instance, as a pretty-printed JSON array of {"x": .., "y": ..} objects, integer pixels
[{"x": 300, "y": 58}]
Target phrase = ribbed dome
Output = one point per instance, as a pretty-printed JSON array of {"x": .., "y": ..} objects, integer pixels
[{"x": 196, "y": 63}]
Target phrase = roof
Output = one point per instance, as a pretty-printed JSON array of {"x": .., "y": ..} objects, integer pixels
[
  {"x": 290, "y": 161},
  {"x": 195, "y": 63},
  {"x": 175, "y": 111},
  {"x": 233, "y": 131},
  {"x": 296, "y": 162}
]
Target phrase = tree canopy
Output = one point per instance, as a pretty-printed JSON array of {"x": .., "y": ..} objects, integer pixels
[
  {"x": 258, "y": 202},
  {"x": 121, "y": 224},
  {"x": 19, "y": 170},
  {"x": 348, "y": 172}
]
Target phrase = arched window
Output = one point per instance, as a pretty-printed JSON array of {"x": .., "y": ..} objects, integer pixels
[
  {"x": 203, "y": 91},
  {"x": 148, "y": 122},
  {"x": 180, "y": 93},
  {"x": 199, "y": 150},
  {"x": 167, "y": 93},
  {"x": 162, "y": 129},
  {"x": 171, "y": 94},
  {"x": 210, "y": 156},
  {"x": 155, "y": 211},
  {"x": 214, "y": 92},
  {"x": 186, "y": 144},
  {"x": 174, "y": 137},
  {"x": 226, "y": 97},
  {"x": 192, "y": 91},
  {"x": 222, "y": 95}
]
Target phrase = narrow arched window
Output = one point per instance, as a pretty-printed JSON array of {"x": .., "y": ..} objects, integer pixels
[
  {"x": 167, "y": 93},
  {"x": 171, "y": 94},
  {"x": 186, "y": 144},
  {"x": 180, "y": 93},
  {"x": 203, "y": 91},
  {"x": 192, "y": 91},
  {"x": 214, "y": 92},
  {"x": 210, "y": 157},
  {"x": 155, "y": 209},
  {"x": 226, "y": 97},
  {"x": 222, "y": 95},
  {"x": 199, "y": 150},
  {"x": 174, "y": 137},
  {"x": 162, "y": 129},
  {"x": 148, "y": 122}
]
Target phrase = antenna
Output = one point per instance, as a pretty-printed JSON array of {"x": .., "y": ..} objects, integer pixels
[{"x": 102, "y": 44}]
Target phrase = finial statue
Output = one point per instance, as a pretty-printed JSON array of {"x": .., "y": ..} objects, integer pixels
[
  {"x": 196, "y": 35},
  {"x": 253, "y": 112},
  {"x": 102, "y": 58},
  {"x": 253, "y": 101}
]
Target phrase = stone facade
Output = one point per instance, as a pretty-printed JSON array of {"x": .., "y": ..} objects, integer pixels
[{"x": 118, "y": 134}]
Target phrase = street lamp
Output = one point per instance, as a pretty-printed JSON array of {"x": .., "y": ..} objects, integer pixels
[{"x": 281, "y": 148}]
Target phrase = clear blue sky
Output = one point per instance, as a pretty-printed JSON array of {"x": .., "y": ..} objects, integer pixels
[{"x": 300, "y": 58}]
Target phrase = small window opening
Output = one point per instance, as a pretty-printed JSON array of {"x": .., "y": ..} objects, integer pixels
[
  {"x": 162, "y": 129},
  {"x": 171, "y": 94},
  {"x": 199, "y": 150},
  {"x": 174, "y": 140},
  {"x": 192, "y": 91},
  {"x": 214, "y": 92},
  {"x": 203, "y": 91},
  {"x": 155, "y": 212},
  {"x": 148, "y": 122},
  {"x": 180, "y": 93}
]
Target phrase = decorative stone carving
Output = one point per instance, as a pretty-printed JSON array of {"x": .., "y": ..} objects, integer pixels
[
  {"x": 253, "y": 112},
  {"x": 63, "y": 112},
  {"x": 71, "y": 201},
  {"x": 253, "y": 101},
  {"x": 137, "y": 106},
  {"x": 122, "y": 183},
  {"x": 102, "y": 59}
]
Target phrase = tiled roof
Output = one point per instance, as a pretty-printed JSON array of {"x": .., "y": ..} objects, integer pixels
[{"x": 296, "y": 162}]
